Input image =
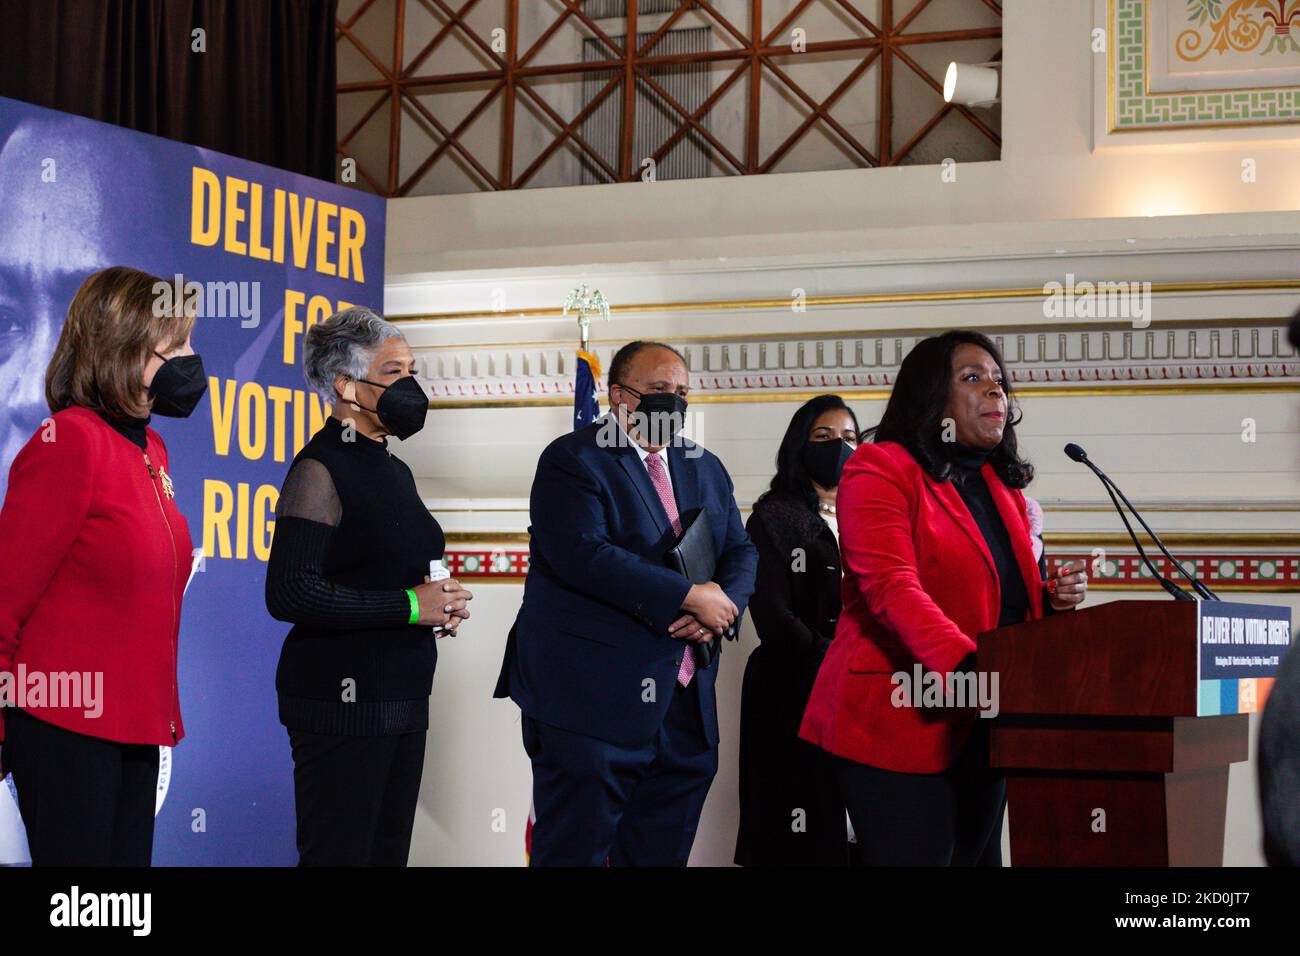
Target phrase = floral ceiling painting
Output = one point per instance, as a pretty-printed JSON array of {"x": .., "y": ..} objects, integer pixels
[
  {"x": 1222, "y": 44},
  {"x": 1181, "y": 63}
]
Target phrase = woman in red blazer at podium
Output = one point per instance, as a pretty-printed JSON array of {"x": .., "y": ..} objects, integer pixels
[{"x": 936, "y": 549}]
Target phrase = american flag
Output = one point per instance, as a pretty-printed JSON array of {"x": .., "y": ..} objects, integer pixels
[{"x": 586, "y": 401}]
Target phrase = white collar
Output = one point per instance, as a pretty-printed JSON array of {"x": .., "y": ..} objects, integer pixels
[{"x": 641, "y": 451}]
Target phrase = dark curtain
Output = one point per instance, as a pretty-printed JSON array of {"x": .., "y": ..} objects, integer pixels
[{"x": 263, "y": 90}]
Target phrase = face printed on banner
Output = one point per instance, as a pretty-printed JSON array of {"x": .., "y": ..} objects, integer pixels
[
  {"x": 59, "y": 222},
  {"x": 651, "y": 399},
  {"x": 977, "y": 401}
]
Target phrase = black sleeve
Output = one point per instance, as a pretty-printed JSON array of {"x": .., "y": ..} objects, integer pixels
[
  {"x": 770, "y": 605},
  {"x": 296, "y": 589}
]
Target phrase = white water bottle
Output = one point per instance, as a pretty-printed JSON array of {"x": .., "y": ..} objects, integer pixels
[{"x": 437, "y": 573}]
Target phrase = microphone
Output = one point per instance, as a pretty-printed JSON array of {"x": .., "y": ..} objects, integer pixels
[{"x": 1076, "y": 453}]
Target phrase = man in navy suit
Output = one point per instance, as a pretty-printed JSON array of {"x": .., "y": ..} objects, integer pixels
[{"x": 619, "y": 720}]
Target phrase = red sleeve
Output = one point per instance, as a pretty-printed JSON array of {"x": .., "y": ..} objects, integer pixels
[
  {"x": 44, "y": 509},
  {"x": 875, "y": 518}
]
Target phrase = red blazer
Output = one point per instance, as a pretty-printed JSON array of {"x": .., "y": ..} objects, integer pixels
[
  {"x": 94, "y": 557},
  {"x": 919, "y": 585}
]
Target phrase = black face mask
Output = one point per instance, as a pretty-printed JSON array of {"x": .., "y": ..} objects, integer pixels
[
  {"x": 825, "y": 460},
  {"x": 659, "y": 416},
  {"x": 178, "y": 385},
  {"x": 402, "y": 408}
]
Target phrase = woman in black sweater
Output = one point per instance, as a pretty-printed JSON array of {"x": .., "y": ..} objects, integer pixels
[
  {"x": 349, "y": 568},
  {"x": 790, "y": 810}
]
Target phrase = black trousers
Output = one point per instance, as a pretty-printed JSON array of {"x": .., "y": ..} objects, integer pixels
[
  {"x": 791, "y": 813},
  {"x": 356, "y": 797},
  {"x": 952, "y": 818},
  {"x": 84, "y": 801},
  {"x": 600, "y": 803}
]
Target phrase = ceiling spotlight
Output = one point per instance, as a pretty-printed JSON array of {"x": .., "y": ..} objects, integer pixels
[{"x": 972, "y": 84}]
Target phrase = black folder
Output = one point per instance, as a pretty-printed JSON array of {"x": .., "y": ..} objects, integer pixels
[{"x": 693, "y": 558}]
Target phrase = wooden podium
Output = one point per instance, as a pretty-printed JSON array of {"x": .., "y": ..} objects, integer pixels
[{"x": 1107, "y": 763}]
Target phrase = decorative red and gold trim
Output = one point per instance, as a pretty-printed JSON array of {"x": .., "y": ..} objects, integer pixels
[{"x": 1221, "y": 570}]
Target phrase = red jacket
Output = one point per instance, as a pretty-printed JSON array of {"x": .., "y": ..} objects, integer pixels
[
  {"x": 94, "y": 557},
  {"x": 919, "y": 585}
]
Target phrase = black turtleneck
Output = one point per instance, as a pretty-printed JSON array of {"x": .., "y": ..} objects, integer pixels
[
  {"x": 132, "y": 429},
  {"x": 974, "y": 491},
  {"x": 351, "y": 533}
]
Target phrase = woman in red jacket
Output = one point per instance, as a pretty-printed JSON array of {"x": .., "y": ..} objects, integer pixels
[
  {"x": 96, "y": 557},
  {"x": 936, "y": 549}
]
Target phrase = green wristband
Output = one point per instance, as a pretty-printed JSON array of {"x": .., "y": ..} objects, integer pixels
[{"x": 415, "y": 606}]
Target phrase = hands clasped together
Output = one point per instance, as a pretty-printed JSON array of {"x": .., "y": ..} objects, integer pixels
[
  {"x": 708, "y": 613},
  {"x": 443, "y": 604}
]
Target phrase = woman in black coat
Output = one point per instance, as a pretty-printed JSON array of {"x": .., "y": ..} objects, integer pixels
[{"x": 791, "y": 813}]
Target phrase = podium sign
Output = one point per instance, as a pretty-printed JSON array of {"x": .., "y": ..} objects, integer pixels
[{"x": 1241, "y": 647}]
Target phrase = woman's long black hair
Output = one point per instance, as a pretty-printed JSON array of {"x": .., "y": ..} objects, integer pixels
[
  {"x": 914, "y": 415},
  {"x": 791, "y": 476}
]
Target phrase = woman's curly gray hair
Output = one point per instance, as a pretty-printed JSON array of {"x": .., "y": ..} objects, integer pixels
[{"x": 344, "y": 344}]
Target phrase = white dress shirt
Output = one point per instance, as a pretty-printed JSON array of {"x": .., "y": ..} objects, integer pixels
[{"x": 643, "y": 455}]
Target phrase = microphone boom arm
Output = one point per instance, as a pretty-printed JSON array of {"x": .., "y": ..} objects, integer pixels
[
  {"x": 1202, "y": 589},
  {"x": 1165, "y": 583}
]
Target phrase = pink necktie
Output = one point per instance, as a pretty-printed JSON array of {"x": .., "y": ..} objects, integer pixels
[{"x": 659, "y": 478}]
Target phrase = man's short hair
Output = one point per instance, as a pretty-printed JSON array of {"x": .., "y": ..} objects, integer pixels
[{"x": 623, "y": 358}]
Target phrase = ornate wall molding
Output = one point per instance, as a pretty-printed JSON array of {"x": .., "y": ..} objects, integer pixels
[
  {"x": 1222, "y": 570},
  {"x": 1191, "y": 354},
  {"x": 949, "y": 296}
]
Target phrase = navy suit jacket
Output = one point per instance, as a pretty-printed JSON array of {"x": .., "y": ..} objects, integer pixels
[{"x": 590, "y": 650}]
